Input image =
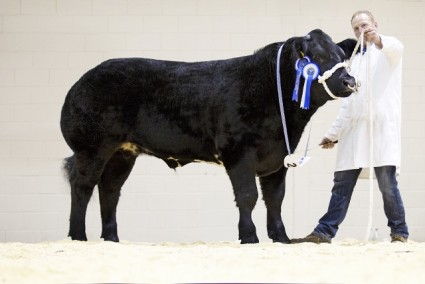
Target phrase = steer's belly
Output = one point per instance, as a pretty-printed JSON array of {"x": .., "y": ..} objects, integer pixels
[{"x": 175, "y": 154}]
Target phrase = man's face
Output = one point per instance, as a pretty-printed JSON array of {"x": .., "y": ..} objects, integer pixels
[{"x": 362, "y": 22}]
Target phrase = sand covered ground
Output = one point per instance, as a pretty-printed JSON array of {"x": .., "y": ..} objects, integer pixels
[{"x": 346, "y": 261}]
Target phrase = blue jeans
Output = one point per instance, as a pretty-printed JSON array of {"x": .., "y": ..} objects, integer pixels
[{"x": 344, "y": 182}]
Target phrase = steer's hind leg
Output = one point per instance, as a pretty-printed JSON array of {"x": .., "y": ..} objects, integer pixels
[
  {"x": 273, "y": 189},
  {"x": 242, "y": 176},
  {"x": 114, "y": 175},
  {"x": 84, "y": 176}
]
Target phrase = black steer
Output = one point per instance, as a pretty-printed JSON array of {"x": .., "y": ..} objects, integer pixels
[{"x": 224, "y": 111}]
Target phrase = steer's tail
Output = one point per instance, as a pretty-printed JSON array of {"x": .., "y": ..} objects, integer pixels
[{"x": 68, "y": 164}]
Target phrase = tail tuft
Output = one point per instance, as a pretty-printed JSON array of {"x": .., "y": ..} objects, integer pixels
[{"x": 68, "y": 164}]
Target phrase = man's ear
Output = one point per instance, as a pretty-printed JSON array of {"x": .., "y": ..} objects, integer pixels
[{"x": 347, "y": 46}]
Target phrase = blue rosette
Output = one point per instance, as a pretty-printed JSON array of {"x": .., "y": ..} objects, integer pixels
[
  {"x": 310, "y": 73},
  {"x": 299, "y": 67}
]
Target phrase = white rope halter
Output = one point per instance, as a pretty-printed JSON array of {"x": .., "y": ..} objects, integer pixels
[{"x": 327, "y": 74}]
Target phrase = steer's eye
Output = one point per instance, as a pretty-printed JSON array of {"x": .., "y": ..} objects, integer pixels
[{"x": 317, "y": 59}]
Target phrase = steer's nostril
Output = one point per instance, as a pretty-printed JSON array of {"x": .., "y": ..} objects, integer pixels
[{"x": 350, "y": 82}]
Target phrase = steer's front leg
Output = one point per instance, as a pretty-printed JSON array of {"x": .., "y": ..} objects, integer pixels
[
  {"x": 247, "y": 230},
  {"x": 273, "y": 189},
  {"x": 242, "y": 176}
]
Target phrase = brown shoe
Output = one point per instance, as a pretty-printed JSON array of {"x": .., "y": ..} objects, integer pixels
[
  {"x": 398, "y": 238},
  {"x": 312, "y": 238}
]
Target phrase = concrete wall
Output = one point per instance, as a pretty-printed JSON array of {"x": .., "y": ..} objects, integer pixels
[{"x": 46, "y": 45}]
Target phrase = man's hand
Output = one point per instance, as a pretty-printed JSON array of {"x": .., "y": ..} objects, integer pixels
[
  {"x": 370, "y": 35},
  {"x": 326, "y": 143}
]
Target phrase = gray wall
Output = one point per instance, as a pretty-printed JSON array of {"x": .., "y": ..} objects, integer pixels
[{"x": 46, "y": 45}]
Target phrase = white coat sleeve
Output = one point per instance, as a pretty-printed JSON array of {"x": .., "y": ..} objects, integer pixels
[
  {"x": 392, "y": 49},
  {"x": 336, "y": 127}
]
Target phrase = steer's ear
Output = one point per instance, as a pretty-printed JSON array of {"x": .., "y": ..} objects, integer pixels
[
  {"x": 300, "y": 46},
  {"x": 348, "y": 46}
]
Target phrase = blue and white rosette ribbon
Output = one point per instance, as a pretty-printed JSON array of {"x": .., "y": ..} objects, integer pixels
[
  {"x": 299, "y": 67},
  {"x": 310, "y": 73}
]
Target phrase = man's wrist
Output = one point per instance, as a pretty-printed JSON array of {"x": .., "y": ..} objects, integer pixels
[{"x": 378, "y": 41}]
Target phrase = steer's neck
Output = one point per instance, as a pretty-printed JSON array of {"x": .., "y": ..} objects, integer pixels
[{"x": 297, "y": 119}]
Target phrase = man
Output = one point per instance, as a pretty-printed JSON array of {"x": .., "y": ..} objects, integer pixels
[{"x": 351, "y": 129}]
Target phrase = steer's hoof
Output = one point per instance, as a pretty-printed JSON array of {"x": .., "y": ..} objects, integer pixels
[
  {"x": 250, "y": 240},
  {"x": 282, "y": 241},
  {"x": 110, "y": 235},
  {"x": 112, "y": 239},
  {"x": 78, "y": 237}
]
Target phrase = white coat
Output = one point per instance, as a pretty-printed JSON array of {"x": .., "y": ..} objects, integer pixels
[{"x": 351, "y": 127}]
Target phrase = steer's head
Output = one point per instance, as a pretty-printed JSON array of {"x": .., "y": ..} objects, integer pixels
[{"x": 319, "y": 49}]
